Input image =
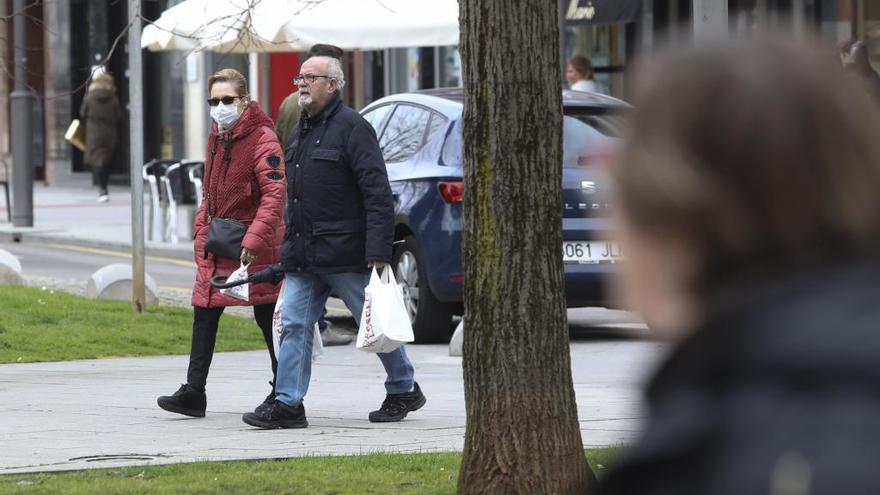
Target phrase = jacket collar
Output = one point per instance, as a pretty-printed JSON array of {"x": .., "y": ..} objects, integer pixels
[{"x": 308, "y": 121}]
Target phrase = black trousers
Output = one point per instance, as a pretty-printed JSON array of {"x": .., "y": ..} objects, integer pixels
[
  {"x": 101, "y": 176},
  {"x": 204, "y": 336}
]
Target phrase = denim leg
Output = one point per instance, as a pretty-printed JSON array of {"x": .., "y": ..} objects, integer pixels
[
  {"x": 304, "y": 298},
  {"x": 350, "y": 288}
]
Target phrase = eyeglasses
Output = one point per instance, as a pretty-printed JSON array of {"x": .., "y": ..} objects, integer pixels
[
  {"x": 227, "y": 100},
  {"x": 309, "y": 78}
]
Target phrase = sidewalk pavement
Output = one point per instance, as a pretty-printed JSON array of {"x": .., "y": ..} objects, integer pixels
[
  {"x": 72, "y": 215},
  {"x": 103, "y": 413}
]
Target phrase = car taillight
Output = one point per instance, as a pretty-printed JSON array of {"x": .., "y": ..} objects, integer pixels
[{"x": 452, "y": 192}]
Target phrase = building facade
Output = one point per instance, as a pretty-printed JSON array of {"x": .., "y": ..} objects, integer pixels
[{"x": 67, "y": 39}]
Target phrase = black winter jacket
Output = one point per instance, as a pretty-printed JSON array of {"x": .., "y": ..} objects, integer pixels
[
  {"x": 779, "y": 393},
  {"x": 340, "y": 213}
]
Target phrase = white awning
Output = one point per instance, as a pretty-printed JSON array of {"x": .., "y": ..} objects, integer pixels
[{"x": 295, "y": 25}]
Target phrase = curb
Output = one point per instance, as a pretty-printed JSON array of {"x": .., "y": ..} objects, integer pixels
[{"x": 181, "y": 252}]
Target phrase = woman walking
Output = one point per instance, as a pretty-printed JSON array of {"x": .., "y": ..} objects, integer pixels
[
  {"x": 101, "y": 113},
  {"x": 243, "y": 181}
]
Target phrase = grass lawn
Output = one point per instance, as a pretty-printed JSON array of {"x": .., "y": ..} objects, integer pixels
[
  {"x": 433, "y": 473},
  {"x": 43, "y": 325}
]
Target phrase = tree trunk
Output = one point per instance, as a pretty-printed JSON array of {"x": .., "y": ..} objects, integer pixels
[{"x": 522, "y": 432}]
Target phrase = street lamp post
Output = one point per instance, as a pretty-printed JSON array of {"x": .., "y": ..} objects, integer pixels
[
  {"x": 136, "y": 126},
  {"x": 22, "y": 105}
]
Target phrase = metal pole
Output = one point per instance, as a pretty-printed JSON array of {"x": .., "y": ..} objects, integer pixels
[
  {"x": 136, "y": 125},
  {"x": 22, "y": 103}
]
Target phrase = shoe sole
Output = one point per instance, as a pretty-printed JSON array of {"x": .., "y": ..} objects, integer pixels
[
  {"x": 275, "y": 425},
  {"x": 394, "y": 419},
  {"x": 194, "y": 413}
]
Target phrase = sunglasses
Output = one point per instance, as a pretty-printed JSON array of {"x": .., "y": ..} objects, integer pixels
[{"x": 227, "y": 100}]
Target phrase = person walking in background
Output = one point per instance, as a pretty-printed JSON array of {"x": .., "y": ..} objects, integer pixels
[
  {"x": 340, "y": 223},
  {"x": 579, "y": 73},
  {"x": 751, "y": 225},
  {"x": 288, "y": 116},
  {"x": 289, "y": 111},
  {"x": 244, "y": 180},
  {"x": 101, "y": 114}
]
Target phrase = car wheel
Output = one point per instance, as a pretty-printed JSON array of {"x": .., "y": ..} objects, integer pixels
[{"x": 431, "y": 319}]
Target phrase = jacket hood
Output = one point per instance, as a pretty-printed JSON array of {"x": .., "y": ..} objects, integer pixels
[
  {"x": 101, "y": 93},
  {"x": 251, "y": 118}
]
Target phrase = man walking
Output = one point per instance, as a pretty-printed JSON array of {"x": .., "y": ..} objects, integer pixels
[
  {"x": 339, "y": 224},
  {"x": 288, "y": 116}
]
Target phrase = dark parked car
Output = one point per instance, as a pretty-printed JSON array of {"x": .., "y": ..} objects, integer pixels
[{"x": 421, "y": 139}]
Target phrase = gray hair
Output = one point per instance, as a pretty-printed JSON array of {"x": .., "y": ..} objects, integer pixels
[{"x": 334, "y": 70}]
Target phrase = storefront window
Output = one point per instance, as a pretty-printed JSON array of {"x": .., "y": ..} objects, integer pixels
[
  {"x": 600, "y": 44},
  {"x": 450, "y": 66}
]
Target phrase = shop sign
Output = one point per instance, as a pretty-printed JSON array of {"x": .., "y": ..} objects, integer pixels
[{"x": 577, "y": 13}]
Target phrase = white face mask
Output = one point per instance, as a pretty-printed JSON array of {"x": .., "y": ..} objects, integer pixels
[{"x": 225, "y": 115}]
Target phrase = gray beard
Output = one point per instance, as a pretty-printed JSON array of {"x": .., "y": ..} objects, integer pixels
[{"x": 304, "y": 101}]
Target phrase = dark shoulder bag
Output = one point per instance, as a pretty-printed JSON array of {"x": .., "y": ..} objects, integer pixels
[{"x": 224, "y": 234}]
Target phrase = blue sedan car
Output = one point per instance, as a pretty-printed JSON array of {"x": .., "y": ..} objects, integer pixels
[{"x": 420, "y": 135}]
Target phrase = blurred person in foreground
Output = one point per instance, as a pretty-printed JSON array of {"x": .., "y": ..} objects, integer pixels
[
  {"x": 288, "y": 116},
  {"x": 101, "y": 114},
  {"x": 244, "y": 180},
  {"x": 750, "y": 216}
]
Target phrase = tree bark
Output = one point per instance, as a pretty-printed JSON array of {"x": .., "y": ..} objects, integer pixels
[{"x": 522, "y": 431}]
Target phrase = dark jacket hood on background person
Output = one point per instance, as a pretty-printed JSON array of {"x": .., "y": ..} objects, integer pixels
[
  {"x": 244, "y": 180},
  {"x": 340, "y": 213},
  {"x": 778, "y": 392},
  {"x": 101, "y": 114}
]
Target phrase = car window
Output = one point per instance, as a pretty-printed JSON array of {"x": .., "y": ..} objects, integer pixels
[
  {"x": 404, "y": 134},
  {"x": 580, "y": 143},
  {"x": 436, "y": 126},
  {"x": 377, "y": 115},
  {"x": 452, "y": 147},
  {"x": 607, "y": 123}
]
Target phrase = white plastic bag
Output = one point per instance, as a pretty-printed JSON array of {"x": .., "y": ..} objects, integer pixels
[
  {"x": 278, "y": 328},
  {"x": 239, "y": 291},
  {"x": 385, "y": 324}
]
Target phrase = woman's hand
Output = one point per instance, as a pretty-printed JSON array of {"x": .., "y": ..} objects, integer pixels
[{"x": 247, "y": 256}]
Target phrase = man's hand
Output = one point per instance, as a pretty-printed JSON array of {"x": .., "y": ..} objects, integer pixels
[
  {"x": 247, "y": 256},
  {"x": 378, "y": 265}
]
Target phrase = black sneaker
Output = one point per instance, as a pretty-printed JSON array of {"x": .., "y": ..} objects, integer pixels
[
  {"x": 266, "y": 403},
  {"x": 396, "y": 406},
  {"x": 278, "y": 415},
  {"x": 187, "y": 401}
]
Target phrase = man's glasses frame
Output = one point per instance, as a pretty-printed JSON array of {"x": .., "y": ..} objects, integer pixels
[
  {"x": 309, "y": 78},
  {"x": 226, "y": 100}
]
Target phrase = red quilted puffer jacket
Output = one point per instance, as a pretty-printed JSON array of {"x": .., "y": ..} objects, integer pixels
[{"x": 244, "y": 180}]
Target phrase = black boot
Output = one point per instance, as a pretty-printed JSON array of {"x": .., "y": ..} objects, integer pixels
[
  {"x": 278, "y": 415},
  {"x": 395, "y": 407},
  {"x": 187, "y": 401}
]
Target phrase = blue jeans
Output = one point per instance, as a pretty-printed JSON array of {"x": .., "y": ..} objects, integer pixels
[{"x": 303, "y": 303}]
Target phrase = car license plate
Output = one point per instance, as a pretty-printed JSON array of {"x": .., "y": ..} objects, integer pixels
[{"x": 587, "y": 252}]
